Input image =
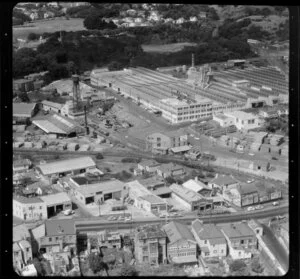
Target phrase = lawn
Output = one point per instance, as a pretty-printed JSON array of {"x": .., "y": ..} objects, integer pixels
[
  {"x": 167, "y": 48},
  {"x": 39, "y": 27}
]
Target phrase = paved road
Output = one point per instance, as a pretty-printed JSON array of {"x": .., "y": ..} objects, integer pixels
[{"x": 276, "y": 248}]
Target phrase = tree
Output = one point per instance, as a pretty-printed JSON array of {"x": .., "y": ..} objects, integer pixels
[
  {"x": 96, "y": 263},
  {"x": 238, "y": 267},
  {"x": 114, "y": 66},
  {"x": 99, "y": 156},
  {"x": 38, "y": 266},
  {"x": 256, "y": 266},
  {"x": 128, "y": 270},
  {"x": 32, "y": 37},
  {"x": 23, "y": 97},
  {"x": 170, "y": 180}
]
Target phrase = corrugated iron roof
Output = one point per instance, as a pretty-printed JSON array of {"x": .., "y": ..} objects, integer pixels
[{"x": 177, "y": 231}]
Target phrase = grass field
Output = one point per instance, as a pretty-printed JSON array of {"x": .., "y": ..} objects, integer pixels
[
  {"x": 167, "y": 48},
  {"x": 39, "y": 27}
]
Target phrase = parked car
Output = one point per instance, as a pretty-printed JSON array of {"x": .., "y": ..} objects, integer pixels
[
  {"x": 259, "y": 207},
  {"x": 276, "y": 203},
  {"x": 250, "y": 208},
  {"x": 121, "y": 218},
  {"x": 68, "y": 212}
]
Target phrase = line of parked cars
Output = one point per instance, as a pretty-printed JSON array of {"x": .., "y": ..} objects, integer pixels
[{"x": 119, "y": 218}]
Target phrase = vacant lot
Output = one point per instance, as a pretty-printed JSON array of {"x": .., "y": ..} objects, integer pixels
[
  {"x": 166, "y": 48},
  {"x": 39, "y": 27}
]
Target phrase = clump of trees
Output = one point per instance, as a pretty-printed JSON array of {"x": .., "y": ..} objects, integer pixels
[
  {"x": 128, "y": 270},
  {"x": 19, "y": 18},
  {"x": 238, "y": 268},
  {"x": 33, "y": 37},
  {"x": 93, "y": 22},
  {"x": 256, "y": 266},
  {"x": 96, "y": 263}
]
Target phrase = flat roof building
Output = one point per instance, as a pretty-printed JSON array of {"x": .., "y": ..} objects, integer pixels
[{"x": 112, "y": 189}]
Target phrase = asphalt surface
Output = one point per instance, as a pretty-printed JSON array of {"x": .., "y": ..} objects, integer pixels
[{"x": 276, "y": 248}]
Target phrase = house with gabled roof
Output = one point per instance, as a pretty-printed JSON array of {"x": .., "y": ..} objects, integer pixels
[
  {"x": 241, "y": 240},
  {"x": 181, "y": 244},
  {"x": 210, "y": 239}
]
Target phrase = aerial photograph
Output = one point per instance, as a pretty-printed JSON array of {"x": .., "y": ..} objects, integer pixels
[{"x": 150, "y": 139}]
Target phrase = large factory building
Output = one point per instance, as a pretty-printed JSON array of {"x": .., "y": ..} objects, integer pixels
[{"x": 203, "y": 94}]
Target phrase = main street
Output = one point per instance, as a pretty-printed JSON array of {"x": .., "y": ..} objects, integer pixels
[{"x": 84, "y": 224}]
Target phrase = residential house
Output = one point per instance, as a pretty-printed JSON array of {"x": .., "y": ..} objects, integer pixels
[
  {"x": 180, "y": 20},
  {"x": 22, "y": 251},
  {"x": 21, "y": 166},
  {"x": 170, "y": 169},
  {"x": 171, "y": 20},
  {"x": 29, "y": 208},
  {"x": 149, "y": 166},
  {"x": 181, "y": 244},
  {"x": 150, "y": 245},
  {"x": 223, "y": 120},
  {"x": 60, "y": 235},
  {"x": 193, "y": 19},
  {"x": 245, "y": 121},
  {"x": 268, "y": 113},
  {"x": 190, "y": 199},
  {"x": 241, "y": 240},
  {"x": 110, "y": 239},
  {"x": 246, "y": 194},
  {"x": 161, "y": 143},
  {"x": 210, "y": 239},
  {"x": 223, "y": 182}
]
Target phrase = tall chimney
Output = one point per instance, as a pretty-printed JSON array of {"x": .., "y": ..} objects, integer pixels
[{"x": 193, "y": 60}]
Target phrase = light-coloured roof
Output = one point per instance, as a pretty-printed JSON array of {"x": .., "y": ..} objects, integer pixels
[
  {"x": 60, "y": 227},
  {"x": 208, "y": 231},
  {"x": 194, "y": 185},
  {"x": 23, "y": 109},
  {"x": 220, "y": 116},
  {"x": 178, "y": 231},
  {"x": 52, "y": 104},
  {"x": 137, "y": 189},
  {"x": 241, "y": 115},
  {"x": 25, "y": 200},
  {"x": 236, "y": 230},
  {"x": 153, "y": 199},
  {"x": 57, "y": 124},
  {"x": 184, "y": 193},
  {"x": 54, "y": 199},
  {"x": 169, "y": 167},
  {"x": 150, "y": 163},
  {"x": 24, "y": 244},
  {"x": 48, "y": 127},
  {"x": 20, "y": 232},
  {"x": 66, "y": 165},
  {"x": 223, "y": 179},
  {"x": 104, "y": 187},
  {"x": 16, "y": 247},
  {"x": 180, "y": 148},
  {"x": 174, "y": 102}
]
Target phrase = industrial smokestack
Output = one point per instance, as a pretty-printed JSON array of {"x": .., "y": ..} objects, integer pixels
[{"x": 76, "y": 92}]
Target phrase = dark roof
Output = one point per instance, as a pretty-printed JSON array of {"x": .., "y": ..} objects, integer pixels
[
  {"x": 208, "y": 232},
  {"x": 237, "y": 230},
  {"x": 80, "y": 180},
  {"x": 177, "y": 231},
  {"x": 151, "y": 231},
  {"x": 60, "y": 227}
]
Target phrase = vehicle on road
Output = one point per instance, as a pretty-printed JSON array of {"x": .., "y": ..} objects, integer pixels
[
  {"x": 251, "y": 154},
  {"x": 127, "y": 219},
  {"x": 259, "y": 207},
  {"x": 121, "y": 218},
  {"x": 276, "y": 203},
  {"x": 250, "y": 208},
  {"x": 68, "y": 212}
]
